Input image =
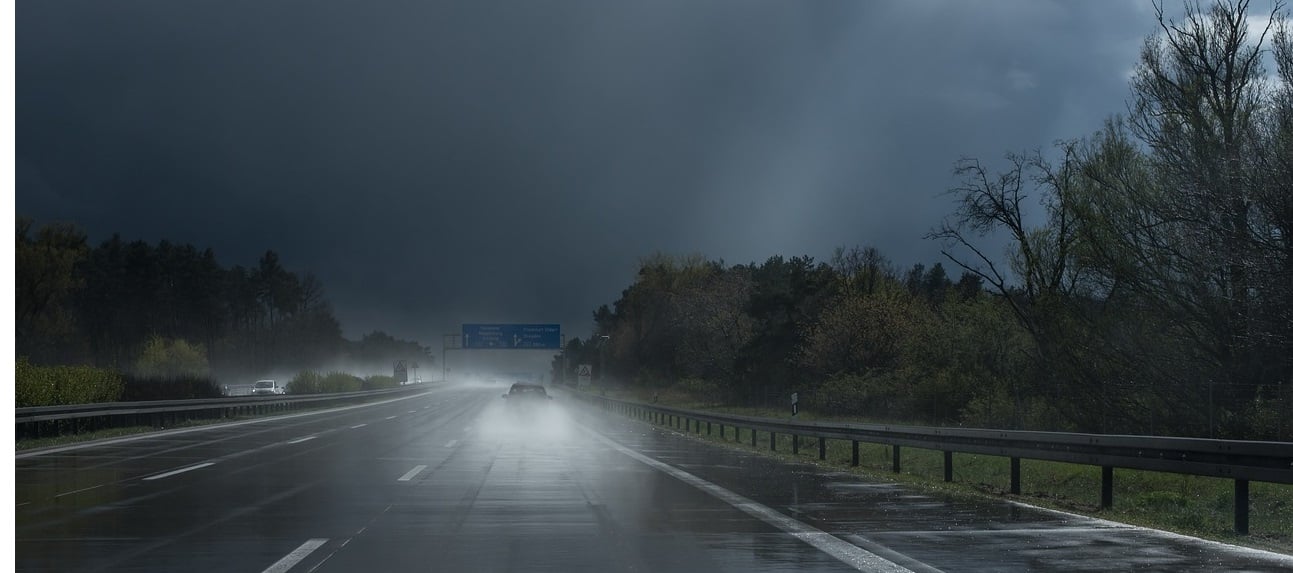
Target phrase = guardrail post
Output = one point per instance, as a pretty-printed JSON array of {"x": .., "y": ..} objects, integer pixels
[
  {"x": 794, "y": 444},
  {"x": 1014, "y": 476},
  {"x": 1106, "y": 487},
  {"x": 754, "y": 438},
  {"x": 947, "y": 466},
  {"x": 1241, "y": 506},
  {"x": 722, "y": 431},
  {"x": 737, "y": 429},
  {"x": 897, "y": 458},
  {"x": 855, "y": 453},
  {"x": 821, "y": 448},
  {"x": 709, "y": 428},
  {"x": 772, "y": 439}
]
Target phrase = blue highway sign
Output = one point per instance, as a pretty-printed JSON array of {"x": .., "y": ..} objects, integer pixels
[{"x": 500, "y": 336}]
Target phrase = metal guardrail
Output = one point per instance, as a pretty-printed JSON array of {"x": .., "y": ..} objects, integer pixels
[
  {"x": 1242, "y": 461},
  {"x": 42, "y": 421}
]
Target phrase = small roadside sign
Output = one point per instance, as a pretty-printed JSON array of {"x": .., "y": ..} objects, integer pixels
[
  {"x": 794, "y": 404},
  {"x": 585, "y": 374}
]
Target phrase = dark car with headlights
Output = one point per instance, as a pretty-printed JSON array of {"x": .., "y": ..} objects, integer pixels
[{"x": 526, "y": 397}]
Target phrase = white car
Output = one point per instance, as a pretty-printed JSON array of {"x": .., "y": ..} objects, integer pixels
[{"x": 267, "y": 388}]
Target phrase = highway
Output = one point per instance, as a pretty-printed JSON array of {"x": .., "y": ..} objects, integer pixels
[{"x": 453, "y": 480}]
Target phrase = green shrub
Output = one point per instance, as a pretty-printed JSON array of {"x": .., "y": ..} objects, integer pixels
[
  {"x": 169, "y": 388},
  {"x": 699, "y": 391},
  {"x": 377, "y": 382},
  {"x": 58, "y": 385},
  {"x": 311, "y": 382},
  {"x": 306, "y": 382},
  {"x": 877, "y": 394},
  {"x": 342, "y": 382},
  {"x": 167, "y": 358}
]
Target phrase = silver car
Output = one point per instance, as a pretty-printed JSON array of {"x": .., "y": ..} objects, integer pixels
[{"x": 267, "y": 388}]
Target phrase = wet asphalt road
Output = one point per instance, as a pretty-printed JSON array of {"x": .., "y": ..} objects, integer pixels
[{"x": 455, "y": 480}]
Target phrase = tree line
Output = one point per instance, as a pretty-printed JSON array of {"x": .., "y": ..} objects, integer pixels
[
  {"x": 171, "y": 310},
  {"x": 1155, "y": 295}
]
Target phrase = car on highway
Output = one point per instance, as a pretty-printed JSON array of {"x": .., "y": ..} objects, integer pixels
[
  {"x": 268, "y": 388},
  {"x": 522, "y": 396}
]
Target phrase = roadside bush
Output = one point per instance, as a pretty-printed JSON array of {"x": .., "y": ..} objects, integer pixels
[
  {"x": 377, "y": 382},
  {"x": 306, "y": 382},
  {"x": 878, "y": 395},
  {"x": 168, "y": 388},
  {"x": 699, "y": 391},
  {"x": 172, "y": 358},
  {"x": 59, "y": 385},
  {"x": 342, "y": 382}
]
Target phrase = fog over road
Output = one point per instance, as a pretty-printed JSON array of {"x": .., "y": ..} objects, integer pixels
[{"x": 454, "y": 480}]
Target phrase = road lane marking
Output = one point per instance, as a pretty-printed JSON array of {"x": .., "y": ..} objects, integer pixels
[
  {"x": 80, "y": 490},
  {"x": 391, "y": 417},
  {"x": 179, "y": 471},
  {"x": 413, "y": 472},
  {"x": 451, "y": 443},
  {"x": 296, "y": 556},
  {"x": 207, "y": 428},
  {"x": 357, "y": 426},
  {"x": 305, "y": 439},
  {"x": 846, "y": 552},
  {"x": 413, "y": 411}
]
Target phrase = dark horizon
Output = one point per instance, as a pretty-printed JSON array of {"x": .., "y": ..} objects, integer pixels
[{"x": 439, "y": 164}]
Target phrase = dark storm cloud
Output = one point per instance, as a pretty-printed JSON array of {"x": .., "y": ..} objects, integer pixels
[{"x": 478, "y": 161}]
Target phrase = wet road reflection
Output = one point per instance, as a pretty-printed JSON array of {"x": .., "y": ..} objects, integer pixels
[{"x": 462, "y": 480}]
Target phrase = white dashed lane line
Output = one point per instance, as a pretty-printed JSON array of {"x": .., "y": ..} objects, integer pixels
[
  {"x": 391, "y": 417},
  {"x": 357, "y": 426},
  {"x": 412, "y": 473},
  {"x": 296, "y": 556},
  {"x": 179, "y": 471},
  {"x": 78, "y": 491},
  {"x": 305, "y": 439},
  {"x": 451, "y": 443}
]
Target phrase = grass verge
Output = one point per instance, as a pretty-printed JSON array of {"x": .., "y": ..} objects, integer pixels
[{"x": 1190, "y": 505}]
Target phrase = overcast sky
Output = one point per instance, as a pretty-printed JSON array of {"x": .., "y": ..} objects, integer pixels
[{"x": 440, "y": 163}]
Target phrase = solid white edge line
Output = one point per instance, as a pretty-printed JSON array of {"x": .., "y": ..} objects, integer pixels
[
  {"x": 168, "y": 433},
  {"x": 357, "y": 426},
  {"x": 296, "y": 556},
  {"x": 179, "y": 471},
  {"x": 411, "y": 473},
  {"x": 305, "y": 439},
  {"x": 845, "y": 552},
  {"x": 1240, "y": 549}
]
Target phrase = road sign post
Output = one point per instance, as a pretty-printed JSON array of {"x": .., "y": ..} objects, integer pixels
[{"x": 794, "y": 404}]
